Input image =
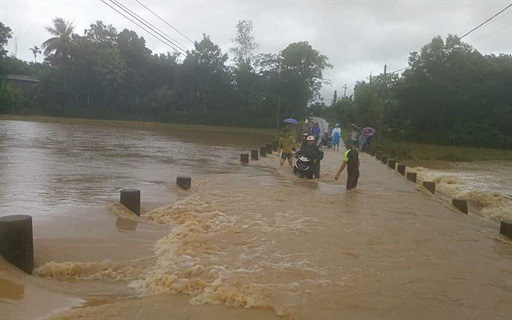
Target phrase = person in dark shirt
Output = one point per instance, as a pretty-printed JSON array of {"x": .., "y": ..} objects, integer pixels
[
  {"x": 311, "y": 151},
  {"x": 351, "y": 161}
]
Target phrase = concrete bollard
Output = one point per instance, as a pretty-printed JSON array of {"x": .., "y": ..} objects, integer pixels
[
  {"x": 184, "y": 182},
  {"x": 275, "y": 145},
  {"x": 461, "y": 204},
  {"x": 384, "y": 159},
  {"x": 378, "y": 155},
  {"x": 392, "y": 163},
  {"x": 430, "y": 186},
  {"x": 244, "y": 157},
  {"x": 506, "y": 228},
  {"x": 401, "y": 168},
  {"x": 412, "y": 176},
  {"x": 17, "y": 242},
  {"x": 269, "y": 148},
  {"x": 254, "y": 154},
  {"x": 263, "y": 151},
  {"x": 130, "y": 198}
]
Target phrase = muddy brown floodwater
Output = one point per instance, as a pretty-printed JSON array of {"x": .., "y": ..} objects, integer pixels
[{"x": 247, "y": 242}]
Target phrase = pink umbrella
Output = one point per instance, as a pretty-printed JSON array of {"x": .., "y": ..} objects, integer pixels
[{"x": 369, "y": 131}]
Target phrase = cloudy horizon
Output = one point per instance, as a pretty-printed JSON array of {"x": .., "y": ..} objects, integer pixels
[{"x": 358, "y": 37}]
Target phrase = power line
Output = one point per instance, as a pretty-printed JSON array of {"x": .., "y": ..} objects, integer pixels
[
  {"x": 138, "y": 25},
  {"x": 162, "y": 33},
  {"x": 486, "y": 21},
  {"x": 148, "y": 25},
  {"x": 178, "y": 31}
]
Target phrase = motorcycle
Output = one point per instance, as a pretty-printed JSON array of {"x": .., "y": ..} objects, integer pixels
[
  {"x": 302, "y": 167},
  {"x": 326, "y": 141}
]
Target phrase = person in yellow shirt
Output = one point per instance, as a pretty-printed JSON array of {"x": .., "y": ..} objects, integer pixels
[{"x": 286, "y": 148}]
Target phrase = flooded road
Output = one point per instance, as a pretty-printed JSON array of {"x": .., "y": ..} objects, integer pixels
[{"x": 247, "y": 242}]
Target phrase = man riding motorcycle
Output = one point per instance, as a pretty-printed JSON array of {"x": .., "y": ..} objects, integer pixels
[{"x": 312, "y": 152}]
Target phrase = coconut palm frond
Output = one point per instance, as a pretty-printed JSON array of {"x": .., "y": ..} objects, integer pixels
[
  {"x": 61, "y": 43},
  {"x": 50, "y": 45},
  {"x": 52, "y": 31}
]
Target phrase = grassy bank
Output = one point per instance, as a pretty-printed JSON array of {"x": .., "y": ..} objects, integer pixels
[
  {"x": 133, "y": 124},
  {"x": 417, "y": 152}
]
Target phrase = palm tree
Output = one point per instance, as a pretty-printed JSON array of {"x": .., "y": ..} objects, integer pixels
[
  {"x": 35, "y": 50},
  {"x": 60, "y": 44}
]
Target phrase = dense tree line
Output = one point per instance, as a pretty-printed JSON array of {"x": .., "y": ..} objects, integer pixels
[
  {"x": 449, "y": 94},
  {"x": 111, "y": 74}
]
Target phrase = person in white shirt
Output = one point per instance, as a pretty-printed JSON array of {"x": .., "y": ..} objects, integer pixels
[{"x": 336, "y": 136}]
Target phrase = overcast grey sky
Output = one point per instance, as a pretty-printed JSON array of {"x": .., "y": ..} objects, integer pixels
[{"x": 358, "y": 37}]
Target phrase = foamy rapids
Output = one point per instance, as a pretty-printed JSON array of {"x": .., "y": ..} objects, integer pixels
[
  {"x": 494, "y": 206},
  {"x": 221, "y": 250}
]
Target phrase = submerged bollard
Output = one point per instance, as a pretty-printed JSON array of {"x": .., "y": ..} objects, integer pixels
[
  {"x": 506, "y": 228},
  {"x": 254, "y": 154},
  {"x": 461, "y": 204},
  {"x": 412, "y": 176},
  {"x": 244, "y": 157},
  {"x": 430, "y": 186},
  {"x": 392, "y": 163},
  {"x": 384, "y": 159},
  {"x": 263, "y": 151},
  {"x": 184, "y": 182},
  {"x": 401, "y": 168},
  {"x": 378, "y": 155},
  {"x": 269, "y": 148},
  {"x": 16, "y": 241},
  {"x": 130, "y": 198}
]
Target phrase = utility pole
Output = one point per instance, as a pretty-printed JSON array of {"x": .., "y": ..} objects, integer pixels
[
  {"x": 345, "y": 90},
  {"x": 278, "y": 112},
  {"x": 382, "y": 102}
]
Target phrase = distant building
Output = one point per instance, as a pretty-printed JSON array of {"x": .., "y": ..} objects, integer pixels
[{"x": 20, "y": 82}]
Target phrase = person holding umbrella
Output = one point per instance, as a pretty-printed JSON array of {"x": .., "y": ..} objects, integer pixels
[
  {"x": 291, "y": 125},
  {"x": 286, "y": 148},
  {"x": 369, "y": 133}
]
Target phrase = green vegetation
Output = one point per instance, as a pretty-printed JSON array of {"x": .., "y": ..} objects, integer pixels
[
  {"x": 450, "y": 94},
  {"x": 412, "y": 152},
  {"x": 106, "y": 74}
]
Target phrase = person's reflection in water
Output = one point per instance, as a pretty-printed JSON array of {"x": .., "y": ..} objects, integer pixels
[{"x": 125, "y": 225}]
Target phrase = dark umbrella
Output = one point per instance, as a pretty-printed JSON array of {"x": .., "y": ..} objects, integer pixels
[{"x": 291, "y": 121}]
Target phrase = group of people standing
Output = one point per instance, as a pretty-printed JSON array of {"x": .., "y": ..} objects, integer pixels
[{"x": 309, "y": 148}]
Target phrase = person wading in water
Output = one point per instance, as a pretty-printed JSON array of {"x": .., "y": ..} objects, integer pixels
[
  {"x": 287, "y": 146},
  {"x": 315, "y": 155},
  {"x": 351, "y": 161}
]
